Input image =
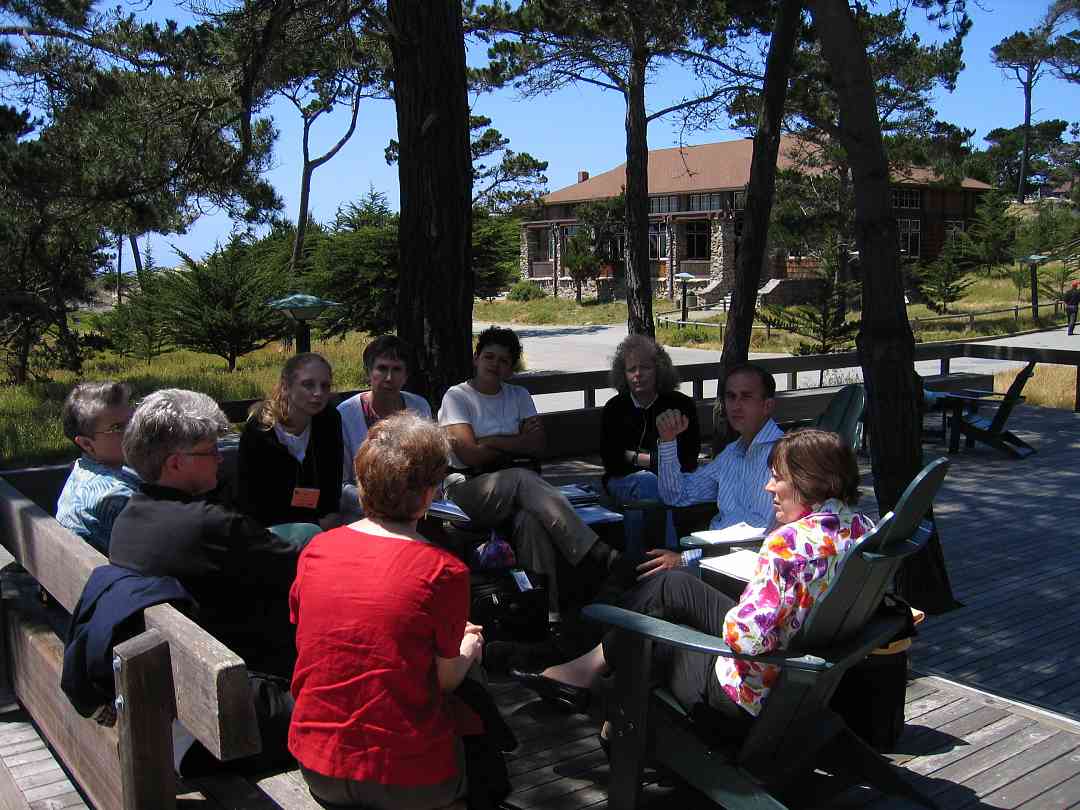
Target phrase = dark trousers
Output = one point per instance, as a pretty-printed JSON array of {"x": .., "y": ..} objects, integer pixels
[
  {"x": 680, "y": 597},
  {"x": 1070, "y": 313}
]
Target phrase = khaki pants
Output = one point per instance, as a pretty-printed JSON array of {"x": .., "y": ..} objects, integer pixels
[{"x": 543, "y": 520}]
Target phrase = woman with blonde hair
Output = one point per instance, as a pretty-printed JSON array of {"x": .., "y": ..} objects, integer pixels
[{"x": 289, "y": 466}]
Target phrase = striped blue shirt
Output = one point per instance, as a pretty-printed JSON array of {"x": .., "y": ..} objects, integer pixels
[
  {"x": 92, "y": 497},
  {"x": 735, "y": 479}
]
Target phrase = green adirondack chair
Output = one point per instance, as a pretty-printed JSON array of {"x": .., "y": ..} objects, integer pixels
[
  {"x": 843, "y": 414},
  {"x": 991, "y": 430},
  {"x": 796, "y": 730}
]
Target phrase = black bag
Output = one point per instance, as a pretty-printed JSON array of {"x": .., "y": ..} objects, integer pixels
[
  {"x": 871, "y": 695},
  {"x": 510, "y": 604}
]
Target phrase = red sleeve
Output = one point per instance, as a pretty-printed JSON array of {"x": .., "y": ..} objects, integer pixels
[
  {"x": 294, "y": 593},
  {"x": 450, "y": 608}
]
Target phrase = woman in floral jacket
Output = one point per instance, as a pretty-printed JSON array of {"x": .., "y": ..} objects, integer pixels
[{"x": 814, "y": 485}]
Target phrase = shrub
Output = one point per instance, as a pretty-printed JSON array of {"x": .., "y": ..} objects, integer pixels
[{"x": 526, "y": 291}]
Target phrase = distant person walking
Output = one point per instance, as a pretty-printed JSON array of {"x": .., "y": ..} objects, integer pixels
[{"x": 1072, "y": 303}]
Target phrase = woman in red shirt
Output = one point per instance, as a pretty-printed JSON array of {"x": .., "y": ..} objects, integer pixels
[{"x": 382, "y": 635}]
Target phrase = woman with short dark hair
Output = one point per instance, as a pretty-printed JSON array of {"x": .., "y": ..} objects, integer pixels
[
  {"x": 382, "y": 634},
  {"x": 815, "y": 485},
  {"x": 386, "y": 361}
]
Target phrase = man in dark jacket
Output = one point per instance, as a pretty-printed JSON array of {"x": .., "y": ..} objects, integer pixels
[
  {"x": 238, "y": 572},
  {"x": 1072, "y": 304}
]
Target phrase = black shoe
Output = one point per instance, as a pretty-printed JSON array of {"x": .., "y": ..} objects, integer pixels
[
  {"x": 574, "y": 698},
  {"x": 605, "y": 745}
]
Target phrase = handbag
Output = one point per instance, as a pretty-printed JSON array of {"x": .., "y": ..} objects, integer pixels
[{"x": 510, "y": 604}]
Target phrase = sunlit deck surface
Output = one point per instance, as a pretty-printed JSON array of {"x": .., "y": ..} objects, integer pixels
[{"x": 993, "y": 705}]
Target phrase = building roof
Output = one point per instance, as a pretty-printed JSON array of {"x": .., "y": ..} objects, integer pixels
[{"x": 722, "y": 166}]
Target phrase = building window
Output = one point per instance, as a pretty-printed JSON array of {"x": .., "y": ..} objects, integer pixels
[
  {"x": 708, "y": 202},
  {"x": 657, "y": 240},
  {"x": 539, "y": 244},
  {"x": 910, "y": 231},
  {"x": 697, "y": 240},
  {"x": 664, "y": 205},
  {"x": 740, "y": 200},
  {"x": 906, "y": 198},
  {"x": 953, "y": 227}
]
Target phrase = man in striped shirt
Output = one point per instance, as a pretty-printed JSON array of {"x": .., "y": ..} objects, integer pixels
[{"x": 736, "y": 478}]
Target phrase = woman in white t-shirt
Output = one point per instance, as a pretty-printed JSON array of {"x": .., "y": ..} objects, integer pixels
[{"x": 492, "y": 423}]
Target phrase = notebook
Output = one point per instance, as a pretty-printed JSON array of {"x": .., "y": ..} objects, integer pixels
[
  {"x": 738, "y": 535},
  {"x": 738, "y": 564}
]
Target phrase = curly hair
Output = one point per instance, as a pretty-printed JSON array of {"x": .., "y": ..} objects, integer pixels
[
  {"x": 667, "y": 378},
  {"x": 819, "y": 464},
  {"x": 275, "y": 408},
  {"x": 170, "y": 421},
  {"x": 401, "y": 458}
]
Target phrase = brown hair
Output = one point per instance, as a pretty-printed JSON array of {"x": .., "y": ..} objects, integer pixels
[
  {"x": 275, "y": 408},
  {"x": 819, "y": 464},
  {"x": 390, "y": 346},
  {"x": 402, "y": 457}
]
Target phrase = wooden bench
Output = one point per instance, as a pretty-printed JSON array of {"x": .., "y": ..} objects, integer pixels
[{"x": 173, "y": 669}]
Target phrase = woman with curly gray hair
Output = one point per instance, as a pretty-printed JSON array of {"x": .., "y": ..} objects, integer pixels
[{"x": 642, "y": 373}]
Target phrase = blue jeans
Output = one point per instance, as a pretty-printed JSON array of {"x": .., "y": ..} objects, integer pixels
[{"x": 637, "y": 486}]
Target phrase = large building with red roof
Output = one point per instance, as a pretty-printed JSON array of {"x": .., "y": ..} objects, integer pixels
[{"x": 696, "y": 201}]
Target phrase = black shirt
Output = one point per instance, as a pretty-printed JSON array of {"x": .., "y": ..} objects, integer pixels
[
  {"x": 628, "y": 427},
  {"x": 238, "y": 572}
]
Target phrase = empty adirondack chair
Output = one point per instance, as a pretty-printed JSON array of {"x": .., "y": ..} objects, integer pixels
[
  {"x": 797, "y": 730},
  {"x": 843, "y": 414},
  {"x": 991, "y": 430}
]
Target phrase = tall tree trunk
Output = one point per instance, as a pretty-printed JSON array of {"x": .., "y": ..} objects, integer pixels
[
  {"x": 639, "y": 296},
  {"x": 435, "y": 284},
  {"x": 135, "y": 255},
  {"x": 759, "y": 195},
  {"x": 1025, "y": 151},
  {"x": 301, "y": 216},
  {"x": 119, "y": 268},
  {"x": 885, "y": 343}
]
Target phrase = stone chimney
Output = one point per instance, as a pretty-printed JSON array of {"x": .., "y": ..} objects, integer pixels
[{"x": 582, "y": 176}]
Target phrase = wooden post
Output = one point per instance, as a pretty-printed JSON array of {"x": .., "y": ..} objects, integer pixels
[
  {"x": 699, "y": 390},
  {"x": 590, "y": 397},
  {"x": 145, "y": 708},
  {"x": 629, "y": 725},
  {"x": 793, "y": 380},
  {"x": 1076, "y": 396},
  {"x": 944, "y": 365}
]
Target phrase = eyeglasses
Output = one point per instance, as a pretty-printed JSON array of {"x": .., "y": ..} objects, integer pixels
[
  {"x": 215, "y": 452},
  {"x": 115, "y": 427}
]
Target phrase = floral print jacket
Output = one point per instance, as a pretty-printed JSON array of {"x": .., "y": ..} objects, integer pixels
[{"x": 795, "y": 565}]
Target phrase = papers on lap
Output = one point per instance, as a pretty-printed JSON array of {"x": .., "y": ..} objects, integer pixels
[
  {"x": 737, "y": 564},
  {"x": 739, "y": 534},
  {"x": 579, "y": 495},
  {"x": 447, "y": 510},
  {"x": 591, "y": 515}
]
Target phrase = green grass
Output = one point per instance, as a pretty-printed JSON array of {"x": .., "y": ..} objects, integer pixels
[
  {"x": 557, "y": 311},
  {"x": 30, "y": 414}
]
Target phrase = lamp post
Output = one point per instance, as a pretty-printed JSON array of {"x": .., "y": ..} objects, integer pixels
[
  {"x": 302, "y": 309},
  {"x": 1033, "y": 261},
  {"x": 684, "y": 277}
]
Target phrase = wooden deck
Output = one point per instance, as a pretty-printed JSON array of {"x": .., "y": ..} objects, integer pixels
[{"x": 993, "y": 707}]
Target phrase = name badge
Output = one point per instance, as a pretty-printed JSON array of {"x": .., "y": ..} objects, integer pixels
[{"x": 305, "y": 497}]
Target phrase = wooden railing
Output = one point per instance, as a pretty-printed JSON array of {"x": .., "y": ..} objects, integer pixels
[{"x": 697, "y": 374}]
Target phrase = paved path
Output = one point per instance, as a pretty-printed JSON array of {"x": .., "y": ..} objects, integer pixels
[{"x": 552, "y": 349}]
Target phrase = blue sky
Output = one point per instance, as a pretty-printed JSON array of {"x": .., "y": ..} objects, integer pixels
[{"x": 582, "y": 127}]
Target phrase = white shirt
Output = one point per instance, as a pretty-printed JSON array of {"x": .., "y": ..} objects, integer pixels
[
  {"x": 487, "y": 414},
  {"x": 354, "y": 427},
  {"x": 295, "y": 444}
]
